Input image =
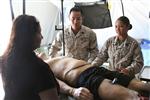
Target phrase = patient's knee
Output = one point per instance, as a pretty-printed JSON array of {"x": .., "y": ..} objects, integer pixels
[{"x": 107, "y": 91}]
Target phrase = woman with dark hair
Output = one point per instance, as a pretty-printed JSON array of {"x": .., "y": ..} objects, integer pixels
[
  {"x": 121, "y": 51},
  {"x": 25, "y": 76}
]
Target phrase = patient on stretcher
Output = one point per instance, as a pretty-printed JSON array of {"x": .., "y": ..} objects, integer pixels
[{"x": 86, "y": 82}]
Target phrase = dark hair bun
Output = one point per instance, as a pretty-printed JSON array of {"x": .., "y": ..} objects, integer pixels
[{"x": 130, "y": 26}]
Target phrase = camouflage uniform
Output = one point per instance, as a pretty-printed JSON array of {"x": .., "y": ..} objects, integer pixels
[
  {"x": 83, "y": 45},
  {"x": 125, "y": 55}
]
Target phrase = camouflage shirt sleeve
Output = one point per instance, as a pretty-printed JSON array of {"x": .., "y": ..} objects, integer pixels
[
  {"x": 56, "y": 45},
  {"x": 93, "y": 48},
  {"x": 102, "y": 55},
  {"x": 137, "y": 61}
]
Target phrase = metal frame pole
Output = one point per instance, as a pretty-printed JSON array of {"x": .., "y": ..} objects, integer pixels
[{"x": 62, "y": 17}]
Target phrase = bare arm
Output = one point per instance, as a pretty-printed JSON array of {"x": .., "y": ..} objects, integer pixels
[
  {"x": 50, "y": 94},
  {"x": 79, "y": 93}
]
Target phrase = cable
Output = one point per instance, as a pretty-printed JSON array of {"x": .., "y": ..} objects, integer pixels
[
  {"x": 11, "y": 9},
  {"x": 122, "y": 7},
  {"x": 24, "y": 7}
]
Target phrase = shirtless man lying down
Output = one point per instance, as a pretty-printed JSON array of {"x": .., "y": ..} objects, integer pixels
[{"x": 85, "y": 82}]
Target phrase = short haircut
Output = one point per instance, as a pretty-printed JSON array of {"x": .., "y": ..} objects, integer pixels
[{"x": 76, "y": 8}]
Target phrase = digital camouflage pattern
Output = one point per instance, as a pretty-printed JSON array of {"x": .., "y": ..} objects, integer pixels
[
  {"x": 83, "y": 45},
  {"x": 121, "y": 55}
]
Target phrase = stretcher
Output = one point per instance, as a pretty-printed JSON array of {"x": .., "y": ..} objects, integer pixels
[{"x": 145, "y": 74}]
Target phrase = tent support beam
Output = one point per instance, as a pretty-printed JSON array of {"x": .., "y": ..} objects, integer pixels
[{"x": 62, "y": 18}]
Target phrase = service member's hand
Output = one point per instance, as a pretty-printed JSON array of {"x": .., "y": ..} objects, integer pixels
[
  {"x": 123, "y": 70},
  {"x": 41, "y": 55},
  {"x": 82, "y": 94}
]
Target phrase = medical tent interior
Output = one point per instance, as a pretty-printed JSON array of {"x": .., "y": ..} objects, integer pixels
[{"x": 53, "y": 17}]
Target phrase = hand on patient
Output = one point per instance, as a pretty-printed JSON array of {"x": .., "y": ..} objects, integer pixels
[
  {"x": 82, "y": 94},
  {"x": 123, "y": 70},
  {"x": 41, "y": 55}
]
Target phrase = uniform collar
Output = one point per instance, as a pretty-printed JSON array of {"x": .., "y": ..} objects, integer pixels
[
  {"x": 82, "y": 30},
  {"x": 126, "y": 41}
]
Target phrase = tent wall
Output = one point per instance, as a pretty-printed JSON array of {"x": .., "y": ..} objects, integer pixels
[
  {"x": 5, "y": 24},
  {"x": 138, "y": 13},
  {"x": 136, "y": 10},
  {"x": 46, "y": 12}
]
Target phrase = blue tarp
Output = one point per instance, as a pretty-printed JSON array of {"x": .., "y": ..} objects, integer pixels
[{"x": 145, "y": 46}]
